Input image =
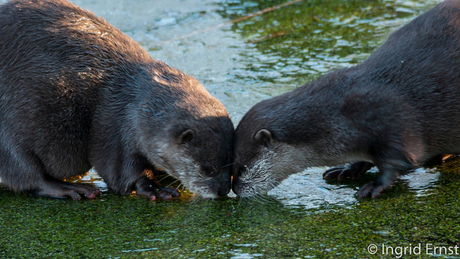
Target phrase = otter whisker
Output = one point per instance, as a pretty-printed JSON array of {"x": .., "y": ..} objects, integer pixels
[
  {"x": 272, "y": 184},
  {"x": 228, "y": 165},
  {"x": 240, "y": 200},
  {"x": 268, "y": 199},
  {"x": 170, "y": 185},
  {"x": 201, "y": 174},
  {"x": 181, "y": 186},
  {"x": 164, "y": 177},
  {"x": 195, "y": 199},
  {"x": 261, "y": 199}
]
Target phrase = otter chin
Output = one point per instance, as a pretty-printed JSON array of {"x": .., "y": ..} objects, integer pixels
[{"x": 395, "y": 111}]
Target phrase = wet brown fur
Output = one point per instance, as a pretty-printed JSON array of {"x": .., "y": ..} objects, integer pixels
[
  {"x": 77, "y": 93},
  {"x": 395, "y": 110}
]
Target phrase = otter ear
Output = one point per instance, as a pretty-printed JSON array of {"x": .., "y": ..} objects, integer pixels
[
  {"x": 264, "y": 137},
  {"x": 186, "y": 136}
]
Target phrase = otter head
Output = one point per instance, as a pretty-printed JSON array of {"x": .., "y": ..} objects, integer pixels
[
  {"x": 262, "y": 159},
  {"x": 281, "y": 136},
  {"x": 199, "y": 154},
  {"x": 187, "y": 133}
]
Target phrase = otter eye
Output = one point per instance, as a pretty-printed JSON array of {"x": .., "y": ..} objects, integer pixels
[
  {"x": 186, "y": 136},
  {"x": 208, "y": 170}
]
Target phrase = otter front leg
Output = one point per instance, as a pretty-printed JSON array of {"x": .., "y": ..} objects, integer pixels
[
  {"x": 55, "y": 188},
  {"x": 133, "y": 173},
  {"x": 353, "y": 170},
  {"x": 151, "y": 189},
  {"x": 22, "y": 171},
  {"x": 389, "y": 171}
]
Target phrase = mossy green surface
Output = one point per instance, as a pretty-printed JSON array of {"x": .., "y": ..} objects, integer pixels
[{"x": 114, "y": 226}]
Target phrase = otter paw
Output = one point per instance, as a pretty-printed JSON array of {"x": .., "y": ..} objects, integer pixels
[
  {"x": 152, "y": 190},
  {"x": 75, "y": 191},
  {"x": 352, "y": 171},
  {"x": 338, "y": 173},
  {"x": 372, "y": 188}
]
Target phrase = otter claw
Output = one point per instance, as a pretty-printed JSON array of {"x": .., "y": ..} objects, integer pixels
[
  {"x": 333, "y": 173},
  {"x": 353, "y": 171},
  {"x": 152, "y": 190},
  {"x": 168, "y": 193},
  {"x": 58, "y": 189},
  {"x": 371, "y": 188}
]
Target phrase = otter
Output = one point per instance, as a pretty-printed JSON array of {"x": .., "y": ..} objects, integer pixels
[
  {"x": 76, "y": 93},
  {"x": 395, "y": 110}
]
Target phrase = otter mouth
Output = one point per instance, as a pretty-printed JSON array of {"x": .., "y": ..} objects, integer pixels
[
  {"x": 254, "y": 180},
  {"x": 203, "y": 186},
  {"x": 195, "y": 179},
  {"x": 209, "y": 188}
]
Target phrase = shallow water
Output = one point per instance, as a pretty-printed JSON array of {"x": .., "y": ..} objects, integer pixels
[
  {"x": 242, "y": 63},
  {"x": 308, "y": 190}
]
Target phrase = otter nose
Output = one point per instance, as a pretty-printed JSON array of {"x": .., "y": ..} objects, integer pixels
[
  {"x": 238, "y": 170},
  {"x": 225, "y": 183},
  {"x": 224, "y": 190}
]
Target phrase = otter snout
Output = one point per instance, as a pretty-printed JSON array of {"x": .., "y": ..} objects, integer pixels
[
  {"x": 224, "y": 188},
  {"x": 237, "y": 170},
  {"x": 212, "y": 188},
  {"x": 235, "y": 186},
  {"x": 213, "y": 182},
  {"x": 226, "y": 182},
  {"x": 220, "y": 179}
]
